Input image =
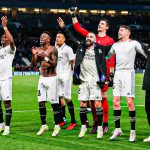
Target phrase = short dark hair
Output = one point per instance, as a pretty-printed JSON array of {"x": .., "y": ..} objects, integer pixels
[
  {"x": 106, "y": 20},
  {"x": 48, "y": 33},
  {"x": 126, "y": 27}
]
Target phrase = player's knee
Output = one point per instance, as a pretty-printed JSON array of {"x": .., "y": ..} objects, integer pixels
[
  {"x": 131, "y": 105},
  {"x": 98, "y": 104},
  {"x": 41, "y": 104},
  {"x": 67, "y": 100},
  {"x": 116, "y": 104},
  {"x": 7, "y": 104},
  {"x": 82, "y": 104}
]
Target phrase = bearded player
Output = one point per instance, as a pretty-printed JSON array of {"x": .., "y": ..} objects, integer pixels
[{"x": 104, "y": 40}]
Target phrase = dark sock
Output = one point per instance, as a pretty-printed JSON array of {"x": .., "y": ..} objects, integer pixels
[
  {"x": 63, "y": 111},
  {"x": 132, "y": 115},
  {"x": 147, "y": 105},
  {"x": 1, "y": 116},
  {"x": 99, "y": 113},
  {"x": 42, "y": 110},
  {"x": 105, "y": 124},
  {"x": 8, "y": 116},
  {"x": 56, "y": 112},
  {"x": 83, "y": 115},
  {"x": 117, "y": 114},
  {"x": 60, "y": 112},
  {"x": 71, "y": 111}
]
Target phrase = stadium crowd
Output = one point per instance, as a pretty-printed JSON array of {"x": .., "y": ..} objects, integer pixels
[{"x": 26, "y": 37}]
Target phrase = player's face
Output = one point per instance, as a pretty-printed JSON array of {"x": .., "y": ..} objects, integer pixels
[
  {"x": 90, "y": 39},
  {"x": 102, "y": 26},
  {"x": 60, "y": 39},
  {"x": 122, "y": 33},
  {"x": 44, "y": 38},
  {"x": 4, "y": 40}
]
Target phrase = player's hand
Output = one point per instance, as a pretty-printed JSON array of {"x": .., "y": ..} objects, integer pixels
[
  {"x": 42, "y": 55},
  {"x": 4, "y": 21},
  {"x": 72, "y": 10},
  {"x": 35, "y": 50},
  {"x": 61, "y": 22}
]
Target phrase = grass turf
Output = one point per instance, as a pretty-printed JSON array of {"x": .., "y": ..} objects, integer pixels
[{"x": 26, "y": 122}]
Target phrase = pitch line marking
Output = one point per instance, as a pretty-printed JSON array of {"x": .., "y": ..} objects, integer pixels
[{"x": 22, "y": 111}]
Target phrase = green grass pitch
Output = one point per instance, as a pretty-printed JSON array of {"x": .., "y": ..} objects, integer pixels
[{"x": 26, "y": 122}]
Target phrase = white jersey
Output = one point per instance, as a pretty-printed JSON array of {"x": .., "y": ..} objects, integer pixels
[
  {"x": 6, "y": 59},
  {"x": 88, "y": 67},
  {"x": 65, "y": 55},
  {"x": 125, "y": 54}
]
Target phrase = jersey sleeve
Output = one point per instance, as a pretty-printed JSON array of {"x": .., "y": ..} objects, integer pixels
[
  {"x": 9, "y": 50},
  {"x": 80, "y": 29},
  {"x": 70, "y": 54},
  {"x": 139, "y": 49},
  {"x": 110, "y": 53}
]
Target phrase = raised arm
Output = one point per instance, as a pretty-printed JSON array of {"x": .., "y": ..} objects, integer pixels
[
  {"x": 69, "y": 36},
  {"x": 76, "y": 23},
  {"x": 7, "y": 33}
]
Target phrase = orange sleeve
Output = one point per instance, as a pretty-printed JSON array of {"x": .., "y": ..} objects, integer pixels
[{"x": 80, "y": 29}]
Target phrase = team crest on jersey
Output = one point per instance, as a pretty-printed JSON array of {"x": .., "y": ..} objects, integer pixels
[{"x": 81, "y": 50}]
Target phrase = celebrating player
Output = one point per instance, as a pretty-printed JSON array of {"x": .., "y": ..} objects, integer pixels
[
  {"x": 47, "y": 55},
  {"x": 90, "y": 70},
  {"x": 125, "y": 51},
  {"x": 65, "y": 67},
  {"x": 7, "y": 53},
  {"x": 101, "y": 39}
]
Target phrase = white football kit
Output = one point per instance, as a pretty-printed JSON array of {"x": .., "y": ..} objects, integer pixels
[
  {"x": 48, "y": 89},
  {"x": 89, "y": 89},
  {"x": 64, "y": 71},
  {"x": 6, "y": 59},
  {"x": 124, "y": 78}
]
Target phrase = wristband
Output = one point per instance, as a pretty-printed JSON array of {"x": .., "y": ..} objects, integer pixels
[
  {"x": 46, "y": 59},
  {"x": 5, "y": 28}
]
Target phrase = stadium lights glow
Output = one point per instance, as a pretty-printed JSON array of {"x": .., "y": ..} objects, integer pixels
[
  {"x": 5, "y": 8},
  {"x": 124, "y": 12},
  {"x": 82, "y": 11},
  {"x": 54, "y": 10},
  {"x": 111, "y": 12},
  {"x": 36, "y": 9},
  {"x": 102, "y": 11},
  {"x": 94, "y": 11},
  {"x": 22, "y": 9},
  {"x": 61, "y": 10}
]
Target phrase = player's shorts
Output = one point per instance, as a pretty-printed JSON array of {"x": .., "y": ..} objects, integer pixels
[
  {"x": 48, "y": 89},
  {"x": 64, "y": 88},
  {"x": 89, "y": 91},
  {"x": 124, "y": 82},
  {"x": 6, "y": 89}
]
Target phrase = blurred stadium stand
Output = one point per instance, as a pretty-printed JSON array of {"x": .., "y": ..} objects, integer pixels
[{"x": 27, "y": 20}]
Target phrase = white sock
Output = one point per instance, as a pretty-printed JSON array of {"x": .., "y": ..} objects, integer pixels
[
  {"x": 7, "y": 127},
  {"x": 2, "y": 125},
  {"x": 57, "y": 126}
]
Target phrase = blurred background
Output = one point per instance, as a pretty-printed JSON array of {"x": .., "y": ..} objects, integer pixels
[{"x": 28, "y": 18}]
